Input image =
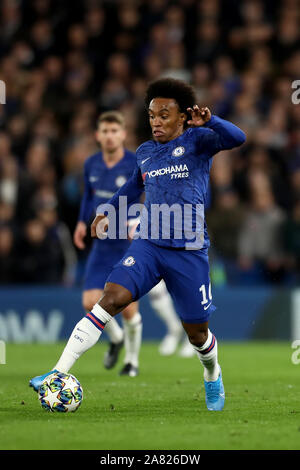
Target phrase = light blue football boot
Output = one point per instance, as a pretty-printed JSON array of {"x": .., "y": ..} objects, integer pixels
[
  {"x": 215, "y": 394},
  {"x": 37, "y": 381}
]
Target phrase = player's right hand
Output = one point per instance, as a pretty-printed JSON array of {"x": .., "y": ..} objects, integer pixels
[
  {"x": 95, "y": 232},
  {"x": 79, "y": 235},
  {"x": 199, "y": 116}
]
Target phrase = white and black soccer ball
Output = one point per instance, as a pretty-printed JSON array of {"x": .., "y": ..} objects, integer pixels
[{"x": 60, "y": 392}]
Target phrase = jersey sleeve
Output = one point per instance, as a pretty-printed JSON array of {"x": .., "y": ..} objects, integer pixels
[
  {"x": 218, "y": 134},
  {"x": 86, "y": 205},
  {"x": 132, "y": 189}
]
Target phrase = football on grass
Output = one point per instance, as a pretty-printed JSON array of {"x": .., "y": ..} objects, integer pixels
[{"x": 60, "y": 392}]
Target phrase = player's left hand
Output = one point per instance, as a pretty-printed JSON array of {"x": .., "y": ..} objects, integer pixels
[
  {"x": 199, "y": 116},
  {"x": 99, "y": 227},
  {"x": 132, "y": 225}
]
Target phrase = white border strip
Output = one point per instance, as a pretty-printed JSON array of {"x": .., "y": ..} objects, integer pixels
[
  {"x": 295, "y": 315},
  {"x": 2, "y": 352}
]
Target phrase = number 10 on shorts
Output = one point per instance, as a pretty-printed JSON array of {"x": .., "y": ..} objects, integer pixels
[{"x": 206, "y": 296}]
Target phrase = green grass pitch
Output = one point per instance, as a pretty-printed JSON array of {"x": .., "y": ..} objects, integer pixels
[{"x": 163, "y": 408}]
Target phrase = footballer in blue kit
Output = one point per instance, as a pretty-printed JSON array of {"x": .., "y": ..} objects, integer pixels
[
  {"x": 101, "y": 183},
  {"x": 172, "y": 241},
  {"x": 104, "y": 173}
]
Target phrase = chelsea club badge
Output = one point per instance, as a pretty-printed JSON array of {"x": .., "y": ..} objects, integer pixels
[
  {"x": 178, "y": 151},
  {"x": 129, "y": 261}
]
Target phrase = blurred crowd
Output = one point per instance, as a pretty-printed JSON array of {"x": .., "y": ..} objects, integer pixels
[{"x": 65, "y": 62}]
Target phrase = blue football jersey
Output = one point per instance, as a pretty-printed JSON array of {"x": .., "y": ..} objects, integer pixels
[
  {"x": 175, "y": 177},
  {"x": 101, "y": 183}
]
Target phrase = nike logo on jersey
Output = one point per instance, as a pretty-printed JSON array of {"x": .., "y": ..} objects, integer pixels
[
  {"x": 144, "y": 161},
  {"x": 205, "y": 308},
  {"x": 92, "y": 179}
]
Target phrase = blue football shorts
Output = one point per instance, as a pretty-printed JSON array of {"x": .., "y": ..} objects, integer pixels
[
  {"x": 185, "y": 272},
  {"x": 101, "y": 260}
]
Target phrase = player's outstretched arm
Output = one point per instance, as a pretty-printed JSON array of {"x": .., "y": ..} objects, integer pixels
[
  {"x": 223, "y": 136},
  {"x": 228, "y": 135}
]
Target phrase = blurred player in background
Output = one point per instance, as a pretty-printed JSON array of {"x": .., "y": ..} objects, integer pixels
[
  {"x": 104, "y": 173},
  {"x": 172, "y": 168}
]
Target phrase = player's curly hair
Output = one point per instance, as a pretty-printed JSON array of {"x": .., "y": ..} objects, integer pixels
[{"x": 181, "y": 92}]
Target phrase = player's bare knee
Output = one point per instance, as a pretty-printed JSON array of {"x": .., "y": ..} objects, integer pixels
[
  {"x": 198, "y": 338},
  {"x": 197, "y": 333},
  {"x": 130, "y": 310},
  {"x": 114, "y": 300},
  {"x": 110, "y": 303}
]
